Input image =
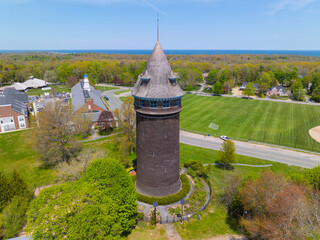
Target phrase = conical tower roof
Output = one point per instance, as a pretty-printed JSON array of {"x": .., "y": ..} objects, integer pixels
[{"x": 158, "y": 86}]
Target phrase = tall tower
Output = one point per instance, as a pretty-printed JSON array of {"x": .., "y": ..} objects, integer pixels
[{"x": 157, "y": 100}]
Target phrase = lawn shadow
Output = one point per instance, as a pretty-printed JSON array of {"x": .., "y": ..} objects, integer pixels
[{"x": 226, "y": 166}]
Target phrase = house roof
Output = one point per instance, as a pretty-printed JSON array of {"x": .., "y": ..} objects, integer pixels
[
  {"x": 278, "y": 88},
  {"x": 79, "y": 95},
  {"x": 34, "y": 83},
  {"x": 158, "y": 70},
  {"x": 256, "y": 85},
  {"x": 19, "y": 86},
  {"x": 16, "y": 99}
]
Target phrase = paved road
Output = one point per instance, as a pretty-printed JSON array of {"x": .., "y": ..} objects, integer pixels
[
  {"x": 256, "y": 98},
  {"x": 114, "y": 102},
  {"x": 290, "y": 157}
]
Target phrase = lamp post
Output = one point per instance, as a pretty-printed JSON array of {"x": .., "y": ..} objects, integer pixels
[
  {"x": 182, "y": 201},
  {"x": 155, "y": 204}
]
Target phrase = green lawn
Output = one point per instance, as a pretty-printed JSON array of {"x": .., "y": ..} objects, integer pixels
[
  {"x": 122, "y": 91},
  {"x": 56, "y": 88},
  {"x": 102, "y": 88},
  {"x": 285, "y": 124},
  {"x": 16, "y": 153},
  {"x": 123, "y": 98}
]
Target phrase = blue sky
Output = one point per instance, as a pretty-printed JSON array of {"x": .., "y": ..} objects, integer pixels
[{"x": 184, "y": 24}]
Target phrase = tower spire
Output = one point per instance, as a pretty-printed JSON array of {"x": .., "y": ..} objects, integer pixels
[{"x": 157, "y": 26}]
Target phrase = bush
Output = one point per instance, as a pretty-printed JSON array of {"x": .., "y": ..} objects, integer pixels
[
  {"x": 101, "y": 205},
  {"x": 170, "y": 198},
  {"x": 140, "y": 215}
]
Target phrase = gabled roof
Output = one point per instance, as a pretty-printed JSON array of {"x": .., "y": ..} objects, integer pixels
[
  {"x": 16, "y": 99},
  {"x": 79, "y": 96},
  {"x": 159, "y": 86}
]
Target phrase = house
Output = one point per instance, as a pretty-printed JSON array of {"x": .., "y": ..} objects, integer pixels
[
  {"x": 32, "y": 82},
  {"x": 87, "y": 100},
  {"x": 244, "y": 84},
  {"x": 278, "y": 90},
  {"x": 14, "y": 110}
]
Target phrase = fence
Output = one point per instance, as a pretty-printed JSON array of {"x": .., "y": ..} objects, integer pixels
[{"x": 167, "y": 219}]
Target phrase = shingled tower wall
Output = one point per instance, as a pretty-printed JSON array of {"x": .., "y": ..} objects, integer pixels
[{"x": 158, "y": 104}]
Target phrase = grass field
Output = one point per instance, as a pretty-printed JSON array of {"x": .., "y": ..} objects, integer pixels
[
  {"x": 56, "y": 88},
  {"x": 102, "y": 88},
  {"x": 285, "y": 124},
  {"x": 17, "y": 153},
  {"x": 122, "y": 91}
]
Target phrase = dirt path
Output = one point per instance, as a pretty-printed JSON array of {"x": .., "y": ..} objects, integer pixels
[
  {"x": 171, "y": 232},
  {"x": 315, "y": 133}
]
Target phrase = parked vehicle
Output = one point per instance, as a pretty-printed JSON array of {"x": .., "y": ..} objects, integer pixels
[
  {"x": 224, "y": 138},
  {"x": 106, "y": 98}
]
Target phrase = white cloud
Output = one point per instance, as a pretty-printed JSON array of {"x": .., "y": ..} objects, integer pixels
[{"x": 289, "y": 4}]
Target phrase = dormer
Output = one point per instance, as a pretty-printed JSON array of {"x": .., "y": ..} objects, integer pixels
[
  {"x": 145, "y": 78},
  {"x": 172, "y": 78}
]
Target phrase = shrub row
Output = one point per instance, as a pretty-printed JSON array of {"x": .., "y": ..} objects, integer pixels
[{"x": 170, "y": 198}]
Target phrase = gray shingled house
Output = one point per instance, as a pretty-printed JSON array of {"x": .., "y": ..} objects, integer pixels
[{"x": 87, "y": 100}]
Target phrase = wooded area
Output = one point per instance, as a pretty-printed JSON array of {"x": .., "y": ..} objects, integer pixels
[{"x": 291, "y": 71}]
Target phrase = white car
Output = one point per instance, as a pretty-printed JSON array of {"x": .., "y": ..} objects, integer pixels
[{"x": 224, "y": 138}]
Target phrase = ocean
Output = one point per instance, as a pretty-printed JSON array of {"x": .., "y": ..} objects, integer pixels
[{"x": 312, "y": 53}]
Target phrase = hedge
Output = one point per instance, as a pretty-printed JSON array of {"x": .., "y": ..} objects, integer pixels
[{"x": 170, "y": 198}]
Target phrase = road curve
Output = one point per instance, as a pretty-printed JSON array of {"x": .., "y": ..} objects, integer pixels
[{"x": 290, "y": 157}]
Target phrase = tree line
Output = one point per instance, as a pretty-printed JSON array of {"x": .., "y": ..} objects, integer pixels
[{"x": 294, "y": 72}]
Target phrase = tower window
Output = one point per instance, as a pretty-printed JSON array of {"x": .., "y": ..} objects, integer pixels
[
  {"x": 142, "y": 103},
  {"x": 166, "y": 104},
  {"x": 153, "y": 104},
  {"x": 176, "y": 102}
]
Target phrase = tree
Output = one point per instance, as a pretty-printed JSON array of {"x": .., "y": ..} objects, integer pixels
[
  {"x": 213, "y": 76},
  {"x": 50, "y": 76},
  {"x": 55, "y": 131},
  {"x": 297, "y": 91},
  {"x": 263, "y": 88},
  {"x": 74, "y": 170},
  {"x": 126, "y": 119},
  {"x": 227, "y": 154},
  {"x": 105, "y": 121},
  {"x": 249, "y": 90},
  {"x": 217, "y": 88},
  {"x": 272, "y": 207},
  {"x": 4, "y": 190},
  {"x": 72, "y": 80},
  {"x": 227, "y": 86},
  {"x": 101, "y": 205}
]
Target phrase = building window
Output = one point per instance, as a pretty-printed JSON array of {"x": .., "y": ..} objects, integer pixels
[
  {"x": 22, "y": 123},
  {"x": 176, "y": 102},
  {"x": 7, "y": 124},
  {"x": 153, "y": 104},
  {"x": 142, "y": 103},
  {"x": 166, "y": 104}
]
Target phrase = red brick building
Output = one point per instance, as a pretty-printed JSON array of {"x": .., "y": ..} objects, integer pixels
[{"x": 14, "y": 110}]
